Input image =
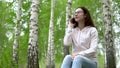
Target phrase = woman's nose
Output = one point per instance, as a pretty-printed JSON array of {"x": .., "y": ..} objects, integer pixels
[{"x": 75, "y": 15}]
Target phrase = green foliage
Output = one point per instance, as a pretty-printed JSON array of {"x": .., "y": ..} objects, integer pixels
[
  {"x": 101, "y": 62},
  {"x": 44, "y": 18},
  {"x": 2, "y": 21},
  {"x": 7, "y": 24},
  {"x": 59, "y": 28},
  {"x": 5, "y": 49}
]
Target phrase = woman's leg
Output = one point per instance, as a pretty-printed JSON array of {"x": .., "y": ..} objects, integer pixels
[
  {"x": 67, "y": 62},
  {"x": 83, "y": 62}
]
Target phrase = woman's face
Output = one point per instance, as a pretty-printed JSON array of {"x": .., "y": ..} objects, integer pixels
[{"x": 79, "y": 15}]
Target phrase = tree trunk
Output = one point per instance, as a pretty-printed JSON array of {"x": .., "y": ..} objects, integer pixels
[
  {"x": 51, "y": 52},
  {"x": 17, "y": 33},
  {"x": 109, "y": 40},
  {"x": 68, "y": 16},
  {"x": 33, "y": 61}
]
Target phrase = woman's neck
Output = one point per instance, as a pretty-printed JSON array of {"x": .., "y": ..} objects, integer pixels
[{"x": 81, "y": 25}]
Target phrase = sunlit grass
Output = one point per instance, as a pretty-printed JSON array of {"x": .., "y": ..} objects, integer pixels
[
  {"x": 101, "y": 61},
  {"x": 42, "y": 63}
]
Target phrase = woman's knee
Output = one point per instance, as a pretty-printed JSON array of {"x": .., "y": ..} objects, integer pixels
[
  {"x": 68, "y": 57},
  {"x": 79, "y": 58},
  {"x": 67, "y": 62}
]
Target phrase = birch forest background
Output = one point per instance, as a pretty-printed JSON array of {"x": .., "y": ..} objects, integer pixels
[{"x": 32, "y": 31}]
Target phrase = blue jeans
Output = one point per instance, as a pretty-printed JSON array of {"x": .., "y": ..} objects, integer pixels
[{"x": 78, "y": 62}]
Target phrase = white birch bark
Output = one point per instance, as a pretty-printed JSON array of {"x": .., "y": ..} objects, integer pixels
[
  {"x": 68, "y": 11},
  {"x": 109, "y": 40},
  {"x": 33, "y": 61},
  {"x": 17, "y": 33},
  {"x": 68, "y": 16},
  {"x": 51, "y": 53}
]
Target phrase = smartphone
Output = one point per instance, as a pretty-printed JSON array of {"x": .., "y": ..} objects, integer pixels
[{"x": 74, "y": 22}]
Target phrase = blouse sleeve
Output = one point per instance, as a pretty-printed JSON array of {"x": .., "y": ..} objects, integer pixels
[
  {"x": 93, "y": 44},
  {"x": 68, "y": 37}
]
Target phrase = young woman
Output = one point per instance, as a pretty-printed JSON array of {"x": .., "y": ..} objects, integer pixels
[{"x": 83, "y": 36}]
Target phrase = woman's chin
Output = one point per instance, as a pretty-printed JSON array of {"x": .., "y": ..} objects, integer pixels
[{"x": 76, "y": 20}]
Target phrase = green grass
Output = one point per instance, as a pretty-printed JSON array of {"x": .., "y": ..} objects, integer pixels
[
  {"x": 101, "y": 61},
  {"x": 42, "y": 63}
]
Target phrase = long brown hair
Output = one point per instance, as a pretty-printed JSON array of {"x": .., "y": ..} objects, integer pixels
[{"x": 88, "y": 19}]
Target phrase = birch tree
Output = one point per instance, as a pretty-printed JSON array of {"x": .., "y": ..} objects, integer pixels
[
  {"x": 68, "y": 16},
  {"x": 51, "y": 52},
  {"x": 33, "y": 36},
  {"x": 109, "y": 40},
  {"x": 17, "y": 33}
]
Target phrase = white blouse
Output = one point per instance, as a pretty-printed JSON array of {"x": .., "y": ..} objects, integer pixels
[{"x": 83, "y": 41}]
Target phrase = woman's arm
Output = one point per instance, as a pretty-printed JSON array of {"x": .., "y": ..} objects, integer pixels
[{"x": 68, "y": 37}]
